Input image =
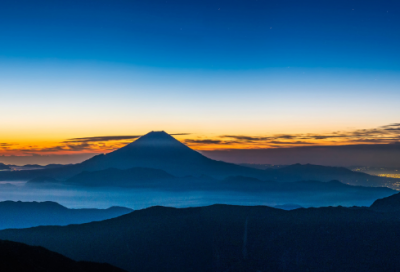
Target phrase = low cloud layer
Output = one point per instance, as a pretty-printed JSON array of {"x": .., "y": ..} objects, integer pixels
[
  {"x": 100, "y": 139},
  {"x": 381, "y": 135}
]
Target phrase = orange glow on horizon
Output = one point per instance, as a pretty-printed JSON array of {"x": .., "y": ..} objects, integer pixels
[{"x": 105, "y": 144}]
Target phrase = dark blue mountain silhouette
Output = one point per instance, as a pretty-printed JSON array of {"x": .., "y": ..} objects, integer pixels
[
  {"x": 4, "y": 167},
  {"x": 29, "y": 214},
  {"x": 18, "y": 257},
  {"x": 158, "y": 150},
  {"x": 387, "y": 204},
  {"x": 230, "y": 238},
  {"x": 161, "y": 151},
  {"x": 154, "y": 150}
]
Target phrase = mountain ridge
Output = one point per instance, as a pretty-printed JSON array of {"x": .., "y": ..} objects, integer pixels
[
  {"x": 159, "y": 150},
  {"x": 211, "y": 239},
  {"x": 18, "y": 214}
]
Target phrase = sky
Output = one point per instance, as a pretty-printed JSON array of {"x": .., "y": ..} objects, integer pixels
[{"x": 225, "y": 75}]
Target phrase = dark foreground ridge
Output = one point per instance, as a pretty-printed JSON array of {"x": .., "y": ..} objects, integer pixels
[
  {"x": 30, "y": 214},
  {"x": 17, "y": 257},
  {"x": 231, "y": 238}
]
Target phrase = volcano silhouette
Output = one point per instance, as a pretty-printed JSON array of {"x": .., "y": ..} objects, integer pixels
[{"x": 160, "y": 150}]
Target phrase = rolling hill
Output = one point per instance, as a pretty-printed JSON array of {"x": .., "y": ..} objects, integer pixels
[
  {"x": 29, "y": 214},
  {"x": 17, "y": 257},
  {"x": 230, "y": 238}
]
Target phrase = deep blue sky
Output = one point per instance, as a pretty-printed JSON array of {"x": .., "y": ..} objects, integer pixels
[
  {"x": 203, "y": 34},
  {"x": 71, "y": 69}
]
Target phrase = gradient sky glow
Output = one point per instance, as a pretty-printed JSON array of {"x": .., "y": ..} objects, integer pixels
[{"x": 71, "y": 69}]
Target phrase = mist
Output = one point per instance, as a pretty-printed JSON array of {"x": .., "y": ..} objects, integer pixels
[{"x": 139, "y": 198}]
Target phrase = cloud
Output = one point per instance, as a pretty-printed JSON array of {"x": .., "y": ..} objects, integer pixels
[
  {"x": 5, "y": 145},
  {"x": 110, "y": 138},
  {"x": 206, "y": 141},
  {"x": 392, "y": 125},
  {"x": 101, "y": 139},
  {"x": 97, "y": 144},
  {"x": 291, "y": 143},
  {"x": 383, "y": 135},
  {"x": 246, "y": 138},
  {"x": 388, "y": 134}
]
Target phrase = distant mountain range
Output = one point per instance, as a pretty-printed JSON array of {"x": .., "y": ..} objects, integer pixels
[
  {"x": 158, "y": 150},
  {"x": 4, "y": 167},
  {"x": 306, "y": 192},
  {"x": 30, "y": 214},
  {"x": 232, "y": 238},
  {"x": 388, "y": 204},
  {"x": 17, "y": 257}
]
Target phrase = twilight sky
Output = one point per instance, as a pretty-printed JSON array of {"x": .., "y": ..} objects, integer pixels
[{"x": 226, "y": 74}]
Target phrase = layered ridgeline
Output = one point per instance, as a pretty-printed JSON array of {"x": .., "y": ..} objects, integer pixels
[
  {"x": 157, "y": 150},
  {"x": 160, "y": 151},
  {"x": 4, "y": 167},
  {"x": 232, "y": 238},
  {"x": 30, "y": 214},
  {"x": 17, "y": 257}
]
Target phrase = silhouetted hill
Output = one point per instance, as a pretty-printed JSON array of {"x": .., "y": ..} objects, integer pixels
[
  {"x": 230, "y": 238},
  {"x": 298, "y": 172},
  {"x": 28, "y": 214},
  {"x": 4, "y": 167},
  {"x": 17, "y": 257},
  {"x": 288, "y": 207},
  {"x": 387, "y": 204},
  {"x": 316, "y": 193},
  {"x": 323, "y": 193},
  {"x": 161, "y": 151}
]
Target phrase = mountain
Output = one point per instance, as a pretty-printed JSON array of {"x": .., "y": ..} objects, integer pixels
[
  {"x": 17, "y": 257},
  {"x": 387, "y": 204},
  {"x": 230, "y": 238},
  {"x": 4, "y": 167},
  {"x": 29, "y": 214},
  {"x": 298, "y": 172},
  {"x": 158, "y": 150},
  {"x": 306, "y": 193}
]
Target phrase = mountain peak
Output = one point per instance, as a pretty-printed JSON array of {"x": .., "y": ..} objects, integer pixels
[
  {"x": 159, "y": 150},
  {"x": 157, "y": 139}
]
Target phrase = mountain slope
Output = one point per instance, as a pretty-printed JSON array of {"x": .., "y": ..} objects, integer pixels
[
  {"x": 17, "y": 257},
  {"x": 4, "y": 167},
  {"x": 387, "y": 204},
  {"x": 30, "y": 214},
  {"x": 158, "y": 150},
  {"x": 298, "y": 172},
  {"x": 230, "y": 238},
  {"x": 327, "y": 193}
]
